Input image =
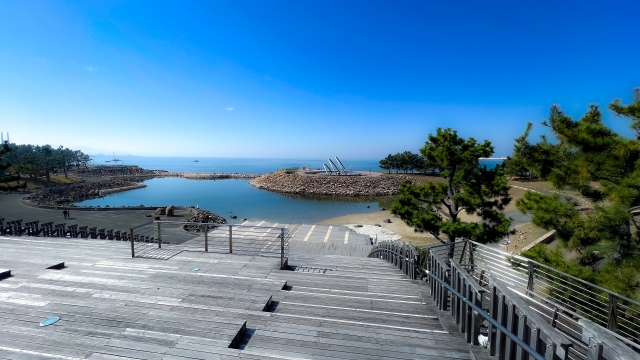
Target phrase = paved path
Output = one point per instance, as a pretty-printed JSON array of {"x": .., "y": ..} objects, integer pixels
[{"x": 11, "y": 208}]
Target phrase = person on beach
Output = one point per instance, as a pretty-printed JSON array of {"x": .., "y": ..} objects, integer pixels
[{"x": 65, "y": 213}]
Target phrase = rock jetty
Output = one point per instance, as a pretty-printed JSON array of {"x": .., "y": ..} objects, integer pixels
[
  {"x": 212, "y": 176},
  {"x": 329, "y": 185},
  {"x": 135, "y": 171},
  {"x": 120, "y": 170},
  {"x": 67, "y": 195},
  {"x": 203, "y": 216},
  {"x": 121, "y": 189}
]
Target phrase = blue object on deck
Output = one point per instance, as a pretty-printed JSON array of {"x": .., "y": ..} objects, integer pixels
[
  {"x": 196, "y": 269},
  {"x": 49, "y": 321}
]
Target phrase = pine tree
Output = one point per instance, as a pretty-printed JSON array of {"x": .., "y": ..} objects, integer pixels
[
  {"x": 435, "y": 207},
  {"x": 597, "y": 162}
]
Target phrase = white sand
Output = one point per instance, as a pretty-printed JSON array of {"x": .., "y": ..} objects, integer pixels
[{"x": 375, "y": 232}]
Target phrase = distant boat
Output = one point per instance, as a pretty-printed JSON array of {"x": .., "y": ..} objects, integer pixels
[
  {"x": 196, "y": 161},
  {"x": 114, "y": 159}
]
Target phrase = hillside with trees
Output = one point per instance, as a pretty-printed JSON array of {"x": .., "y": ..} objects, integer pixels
[
  {"x": 35, "y": 161},
  {"x": 601, "y": 165}
]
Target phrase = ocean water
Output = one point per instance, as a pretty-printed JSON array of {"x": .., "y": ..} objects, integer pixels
[
  {"x": 237, "y": 197},
  {"x": 230, "y": 165}
]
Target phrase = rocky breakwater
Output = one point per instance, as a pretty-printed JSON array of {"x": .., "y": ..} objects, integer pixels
[
  {"x": 118, "y": 170},
  {"x": 211, "y": 176},
  {"x": 67, "y": 195},
  {"x": 203, "y": 216},
  {"x": 135, "y": 171},
  {"x": 330, "y": 185}
]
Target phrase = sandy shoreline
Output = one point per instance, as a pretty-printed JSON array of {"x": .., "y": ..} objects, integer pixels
[{"x": 371, "y": 218}]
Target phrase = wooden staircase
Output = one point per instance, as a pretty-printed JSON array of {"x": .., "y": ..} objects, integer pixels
[{"x": 199, "y": 305}]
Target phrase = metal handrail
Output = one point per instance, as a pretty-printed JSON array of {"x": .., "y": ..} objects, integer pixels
[
  {"x": 493, "y": 322},
  {"x": 141, "y": 225},
  {"x": 215, "y": 224},
  {"x": 563, "y": 274},
  {"x": 615, "y": 312},
  {"x": 198, "y": 231}
]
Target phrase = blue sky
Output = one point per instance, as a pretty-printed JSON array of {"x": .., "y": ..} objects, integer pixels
[{"x": 294, "y": 79}]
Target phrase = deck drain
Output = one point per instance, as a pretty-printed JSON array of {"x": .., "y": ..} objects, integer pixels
[{"x": 313, "y": 269}]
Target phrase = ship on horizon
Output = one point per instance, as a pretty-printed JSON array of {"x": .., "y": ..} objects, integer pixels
[{"x": 115, "y": 160}]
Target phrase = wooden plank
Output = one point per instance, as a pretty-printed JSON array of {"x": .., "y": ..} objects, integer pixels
[{"x": 144, "y": 308}]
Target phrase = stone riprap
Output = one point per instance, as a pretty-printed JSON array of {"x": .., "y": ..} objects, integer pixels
[
  {"x": 67, "y": 195},
  {"x": 205, "y": 216},
  {"x": 212, "y": 176},
  {"x": 121, "y": 189},
  {"x": 111, "y": 171},
  {"x": 135, "y": 171},
  {"x": 329, "y": 185}
]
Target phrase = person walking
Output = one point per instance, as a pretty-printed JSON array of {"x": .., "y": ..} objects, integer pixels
[
  {"x": 64, "y": 213},
  {"x": 68, "y": 214}
]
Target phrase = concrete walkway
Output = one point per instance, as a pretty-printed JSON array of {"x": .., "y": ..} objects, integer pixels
[{"x": 11, "y": 208}]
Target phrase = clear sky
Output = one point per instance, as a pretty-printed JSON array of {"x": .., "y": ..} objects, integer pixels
[{"x": 303, "y": 78}]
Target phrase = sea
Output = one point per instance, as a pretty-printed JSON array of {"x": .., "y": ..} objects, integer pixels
[{"x": 237, "y": 197}]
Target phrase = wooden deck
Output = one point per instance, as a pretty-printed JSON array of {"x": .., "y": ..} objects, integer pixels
[{"x": 197, "y": 305}]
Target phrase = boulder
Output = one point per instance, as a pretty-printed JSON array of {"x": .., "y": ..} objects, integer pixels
[
  {"x": 161, "y": 211},
  {"x": 170, "y": 211}
]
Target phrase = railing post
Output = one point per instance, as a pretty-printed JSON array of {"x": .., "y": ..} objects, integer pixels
[
  {"x": 594, "y": 350},
  {"x": 159, "y": 237},
  {"x": 133, "y": 252},
  {"x": 530, "y": 279},
  {"x": 612, "y": 324},
  {"x": 493, "y": 313},
  {"x": 230, "y": 239},
  {"x": 522, "y": 329},
  {"x": 281, "y": 249},
  {"x": 206, "y": 238}
]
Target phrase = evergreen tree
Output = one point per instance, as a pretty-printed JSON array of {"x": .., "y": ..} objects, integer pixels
[
  {"x": 386, "y": 163},
  {"x": 600, "y": 164},
  {"x": 469, "y": 187},
  {"x": 5, "y": 173}
]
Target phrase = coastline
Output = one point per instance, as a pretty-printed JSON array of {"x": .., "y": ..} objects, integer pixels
[{"x": 135, "y": 175}]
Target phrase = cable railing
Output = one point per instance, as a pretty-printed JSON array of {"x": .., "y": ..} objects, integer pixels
[
  {"x": 272, "y": 241},
  {"x": 562, "y": 302},
  {"x": 404, "y": 256},
  {"x": 576, "y": 298}
]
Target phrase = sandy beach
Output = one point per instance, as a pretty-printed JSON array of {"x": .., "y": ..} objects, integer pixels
[{"x": 397, "y": 226}]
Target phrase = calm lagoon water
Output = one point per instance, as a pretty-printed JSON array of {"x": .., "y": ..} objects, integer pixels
[{"x": 237, "y": 197}]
